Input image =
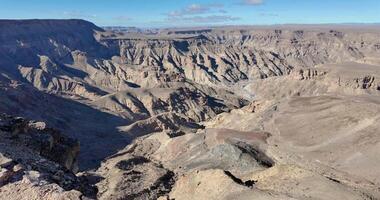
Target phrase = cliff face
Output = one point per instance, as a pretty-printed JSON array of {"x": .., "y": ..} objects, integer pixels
[
  {"x": 75, "y": 57},
  {"x": 228, "y": 57},
  {"x": 22, "y": 41},
  {"x": 43, "y": 61},
  {"x": 38, "y": 50},
  {"x": 32, "y": 154},
  {"x": 45, "y": 141}
]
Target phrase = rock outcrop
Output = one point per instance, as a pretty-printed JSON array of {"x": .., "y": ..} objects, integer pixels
[
  {"x": 47, "y": 142},
  {"x": 35, "y": 159}
]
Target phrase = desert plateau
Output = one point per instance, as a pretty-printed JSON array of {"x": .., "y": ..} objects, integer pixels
[{"x": 240, "y": 112}]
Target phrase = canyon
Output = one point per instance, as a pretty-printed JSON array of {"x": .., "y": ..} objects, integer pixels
[{"x": 270, "y": 112}]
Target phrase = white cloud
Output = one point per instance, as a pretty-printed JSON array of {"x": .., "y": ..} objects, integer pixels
[
  {"x": 252, "y": 2},
  {"x": 201, "y": 13},
  {"x": 196, "y": 9},
  {"x": 209, "y": 19}
]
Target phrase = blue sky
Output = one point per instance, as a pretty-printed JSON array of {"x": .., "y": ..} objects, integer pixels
[{"x": 167, "y": 13}]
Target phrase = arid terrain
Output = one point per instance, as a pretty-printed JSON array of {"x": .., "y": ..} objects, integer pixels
[{"x": 235, "y": 112}]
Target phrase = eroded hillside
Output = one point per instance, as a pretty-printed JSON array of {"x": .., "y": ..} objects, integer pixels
[{"x": 270, "y": 112}]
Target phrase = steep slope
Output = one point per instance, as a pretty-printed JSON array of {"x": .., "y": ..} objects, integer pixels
[
  {"x": 231, "y": 56},
  {"x": 305, "y": 136},
  {"x": 38, "y": 162},
  {"x": 59, "y": 71}
]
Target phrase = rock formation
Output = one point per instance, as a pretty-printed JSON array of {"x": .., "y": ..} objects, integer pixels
[
  {"x": 38, "y": 162},
  {"x": 286, "y": 112}
]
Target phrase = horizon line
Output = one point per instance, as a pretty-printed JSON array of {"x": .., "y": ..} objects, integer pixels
[{"x": 199, "y": 26}]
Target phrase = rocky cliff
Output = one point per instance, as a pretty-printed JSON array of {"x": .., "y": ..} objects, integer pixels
[
  {"x": 47, "y": 142},
  {"x": 34, "y": 158}
]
